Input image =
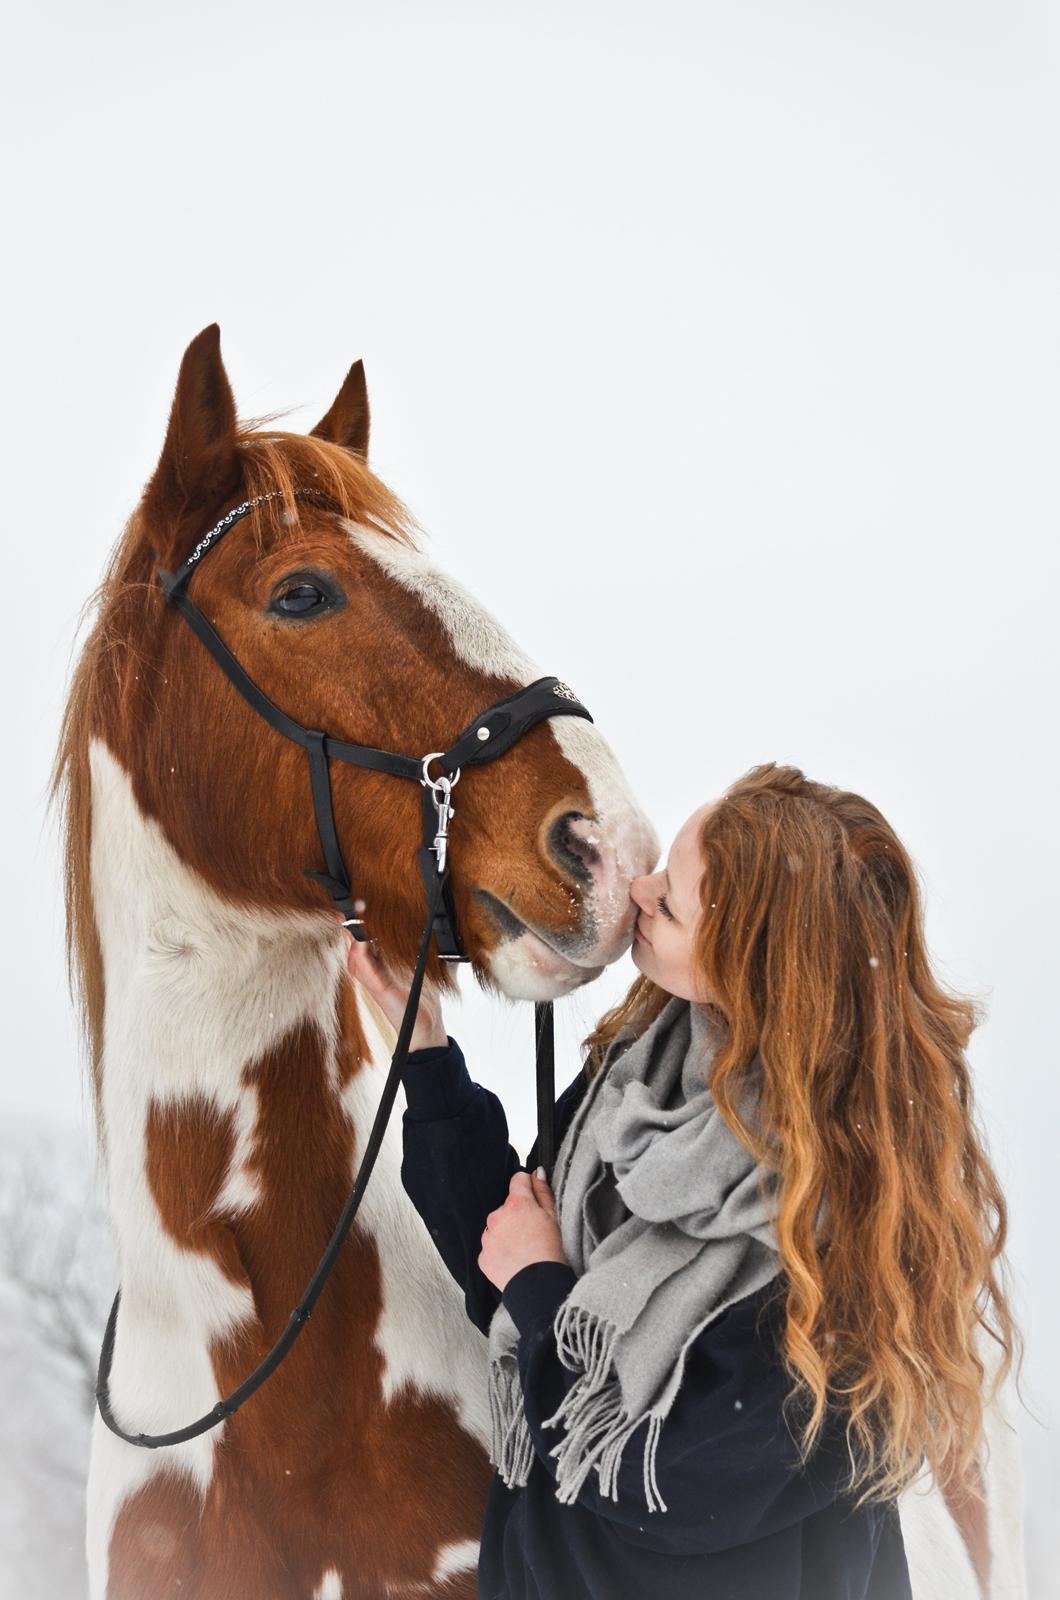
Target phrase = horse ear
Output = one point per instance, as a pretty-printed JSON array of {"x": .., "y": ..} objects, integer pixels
[
  {"x": 347, "y": 422},
  {"x": 199, "y": 466}
]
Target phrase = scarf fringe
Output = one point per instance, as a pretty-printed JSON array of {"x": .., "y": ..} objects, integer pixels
[
  {"x": 597, "y": 1428},
  {"x": 511, "y": 1446},
  {"x": 585, "y": 1343}
]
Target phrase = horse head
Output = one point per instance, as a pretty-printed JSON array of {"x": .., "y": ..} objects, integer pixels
[{"x": 327, "y": 599}]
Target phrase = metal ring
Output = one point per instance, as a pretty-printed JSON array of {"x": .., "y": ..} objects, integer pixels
[{"x": 432, "y": 783}]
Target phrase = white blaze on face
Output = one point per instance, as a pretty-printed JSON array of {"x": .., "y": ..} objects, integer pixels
[{"x": 526, "y": 967}]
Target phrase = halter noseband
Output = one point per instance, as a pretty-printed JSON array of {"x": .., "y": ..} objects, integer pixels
[{"x": 488, "y": 736}]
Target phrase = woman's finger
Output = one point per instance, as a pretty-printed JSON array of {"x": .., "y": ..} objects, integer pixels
[
  {"x": 543, "y": 1192},
  {"x": 368, "y": 966}
]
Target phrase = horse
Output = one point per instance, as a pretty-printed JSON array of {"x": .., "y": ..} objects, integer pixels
[{"x": 236, "y": 1068}]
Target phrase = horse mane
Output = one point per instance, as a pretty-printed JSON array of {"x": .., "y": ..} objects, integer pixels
[{"x": 274, "y": 463}]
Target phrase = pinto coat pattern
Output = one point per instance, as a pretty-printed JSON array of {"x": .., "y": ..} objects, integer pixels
[{"x": 236, "y": 1068}]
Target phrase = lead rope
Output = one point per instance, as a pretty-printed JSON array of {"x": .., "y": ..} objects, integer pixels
[{"x": 545, "y": 1034}]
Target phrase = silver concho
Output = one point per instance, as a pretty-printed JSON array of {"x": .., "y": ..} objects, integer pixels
[{"x": 565, "y": 692}]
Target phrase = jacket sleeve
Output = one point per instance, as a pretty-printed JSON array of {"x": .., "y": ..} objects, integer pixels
[
  {"x": 727, "y": 1466},
  {"x": 457, "y": 1162}
]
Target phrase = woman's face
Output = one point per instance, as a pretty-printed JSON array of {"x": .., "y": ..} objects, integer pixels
[{"x": 664, "y": 940}]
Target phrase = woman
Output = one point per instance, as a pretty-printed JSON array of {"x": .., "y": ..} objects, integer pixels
[{"x": 754, "y": 1317}]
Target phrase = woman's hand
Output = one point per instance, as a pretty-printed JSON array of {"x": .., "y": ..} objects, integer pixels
[
  {"x": 390, "y": 991},
  {"x": 522, "y": 1231}
]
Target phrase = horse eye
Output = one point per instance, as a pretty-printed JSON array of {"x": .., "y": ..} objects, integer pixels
[{"x": 300, "y": 599}]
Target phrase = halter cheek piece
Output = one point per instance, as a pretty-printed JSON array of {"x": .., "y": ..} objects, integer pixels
[{"x": 488, "y": 736}]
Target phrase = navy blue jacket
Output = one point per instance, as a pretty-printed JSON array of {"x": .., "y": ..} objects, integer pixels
[{"x": 743, "y": 1521}]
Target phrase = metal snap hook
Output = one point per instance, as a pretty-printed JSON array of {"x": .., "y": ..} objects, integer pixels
[
  {"x": 443, "y": 778},
  {"x": 441, "y": 791}
]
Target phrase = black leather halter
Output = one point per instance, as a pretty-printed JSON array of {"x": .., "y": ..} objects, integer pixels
[{"x": 488, "y": 736}]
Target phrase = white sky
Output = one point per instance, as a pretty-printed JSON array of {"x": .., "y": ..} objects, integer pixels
[{"x": 715, "y": 346}]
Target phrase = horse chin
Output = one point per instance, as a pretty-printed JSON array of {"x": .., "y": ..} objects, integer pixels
[{"x": 526, "y": 968}]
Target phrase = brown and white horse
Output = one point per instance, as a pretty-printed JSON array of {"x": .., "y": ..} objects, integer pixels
[{"x": 236, "y": 1068}]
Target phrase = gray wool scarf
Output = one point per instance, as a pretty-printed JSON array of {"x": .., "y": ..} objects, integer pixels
[{"x": 666, "y": 1219}]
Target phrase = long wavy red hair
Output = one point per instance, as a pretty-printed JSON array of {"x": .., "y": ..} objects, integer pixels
[{"x": 811, "y": 938}]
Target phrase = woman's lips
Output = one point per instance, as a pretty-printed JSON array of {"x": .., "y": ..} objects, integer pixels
[{"x": 637, "y": 933}]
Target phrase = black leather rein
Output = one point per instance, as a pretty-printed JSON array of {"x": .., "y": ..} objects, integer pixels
[{"x": 489, "y": 736}]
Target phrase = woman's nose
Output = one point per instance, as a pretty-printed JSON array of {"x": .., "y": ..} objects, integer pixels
[{"x": 638, "y": 892}]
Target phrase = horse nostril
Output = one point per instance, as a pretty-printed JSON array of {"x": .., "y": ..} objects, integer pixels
[{"x": 572, "y": 843}]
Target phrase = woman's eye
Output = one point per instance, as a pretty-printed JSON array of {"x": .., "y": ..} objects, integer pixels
[
  {"x": 299, "y": 599},
  {"x": 664, "y": 908}
]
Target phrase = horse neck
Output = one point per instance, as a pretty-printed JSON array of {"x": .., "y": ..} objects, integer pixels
[{"x": 239, "y": 1078}]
